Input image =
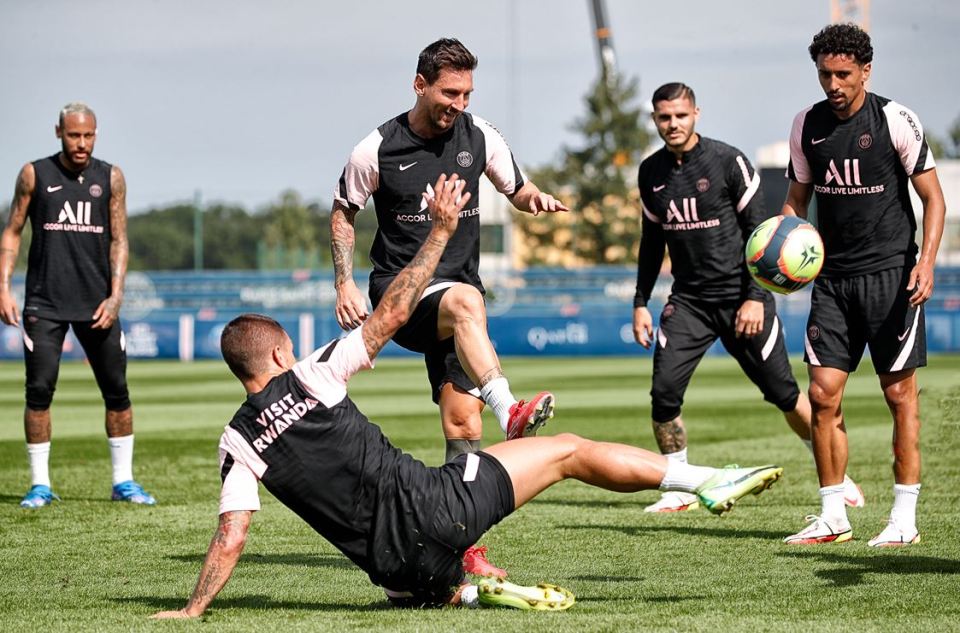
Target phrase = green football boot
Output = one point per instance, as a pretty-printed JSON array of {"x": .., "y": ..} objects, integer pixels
[{"x": 720, "y": 492}]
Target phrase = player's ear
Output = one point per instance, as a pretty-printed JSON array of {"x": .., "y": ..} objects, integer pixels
[
  {"x": 866, "y": 71},
  {"x": 419, "y": 84},
  {"x": 56, "y": 129}
]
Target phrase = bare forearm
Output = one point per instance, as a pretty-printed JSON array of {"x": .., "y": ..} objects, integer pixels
[
  {"x": 119, "y": 254},
  {"x": 222, "y": 556},
  {"x": 933, "y": 215},
  {"x": 403, "y": 293},
  {"x": 342, "y": 241},
  {"x": 9, "y": 248}
]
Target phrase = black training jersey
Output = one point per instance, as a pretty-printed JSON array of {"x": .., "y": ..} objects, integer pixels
[
  {"x": 859, "y": 170},
  {"x": 310, "y": 446},
  {"x": 396, "y": 167},
  {"x": 68, "y": 269},
  {"x": 703, "y": 209}
]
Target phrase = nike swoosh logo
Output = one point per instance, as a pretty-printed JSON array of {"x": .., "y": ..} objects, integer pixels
[
  {"x": 52, "y": 189},
  {"x": 656, "y": 189},
  {"x": 406, "y": 167},
  {"x": 817, "y": 141},
  {"x": 904, "y": 335}
]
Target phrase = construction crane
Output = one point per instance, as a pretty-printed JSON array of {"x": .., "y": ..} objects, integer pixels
[
  {"x": 856, "y": 11},
  {"x": 608, "y": 59}
]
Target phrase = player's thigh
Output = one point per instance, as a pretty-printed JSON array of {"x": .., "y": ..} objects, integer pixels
[
  {"x": 106, "y": 352},
  {"x": 534, "y": 463},
  {"x": 42, "y": 350},
  {"x": 835, "y": 336},
  {"x": 460, "y": 301},
  {"x": 896, "y": 331},
  {"x": 684, "y": 335},
  {"x": 764, "y": 360}
]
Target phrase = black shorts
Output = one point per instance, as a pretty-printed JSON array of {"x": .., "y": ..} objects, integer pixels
[
  {"x": 419, "y": 335},
  {"x": 687, "y": 330},
  {"x": 473, "y": 493},
  {"x": 874, "y": 309},
  {"x": 105, "y": 350}
]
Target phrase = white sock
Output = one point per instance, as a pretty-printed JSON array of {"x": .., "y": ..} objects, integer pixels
[
  {"x": 121, "y": 457},
  {"x": 833, "y": 507},
  {"x": 683, "y": 477},
  {"x": 470, "y": 597},
  {"x": 904, "y": 512},
  {"x": 38, "y": 455},
  {"x": 499, "y": 398},
  {"x": 680, "y": 456}
]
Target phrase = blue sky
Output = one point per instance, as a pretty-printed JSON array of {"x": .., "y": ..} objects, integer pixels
[{"x": 241, "y": 99}]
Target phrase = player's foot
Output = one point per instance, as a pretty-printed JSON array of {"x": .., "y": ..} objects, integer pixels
[
  {"x": 475, "y": 562},
  {"x": 821, "y": 530},
  {"x": 673, "y": 501},
  {"x": 852, "y": 493},
  {"x": 37, "y": 497},
  {"x": 720, "y": 492},
  {"x": 494, "y": 592},
  {"x": 527, "y": 417},
  {"x": 133, "y": 492},
  {"x": 895, "y": 536}
]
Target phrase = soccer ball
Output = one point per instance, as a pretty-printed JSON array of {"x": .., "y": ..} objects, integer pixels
[{"x": 784, "y": 253}]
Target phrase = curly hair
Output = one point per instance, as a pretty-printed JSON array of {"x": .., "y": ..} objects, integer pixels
[
  {"x": 444, "y": 53},
  {"x": 842, "y": 39}
]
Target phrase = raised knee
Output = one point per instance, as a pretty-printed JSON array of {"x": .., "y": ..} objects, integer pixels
[{"x": 466, "y": 302}]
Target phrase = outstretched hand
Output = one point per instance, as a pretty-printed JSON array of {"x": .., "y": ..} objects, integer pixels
[{"x": 446, "y": 203}]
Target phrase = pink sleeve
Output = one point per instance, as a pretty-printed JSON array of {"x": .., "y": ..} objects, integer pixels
[
  {"x": 500, "y": 166},
  {"x": 799, "y": 168},
  {"x": 906, "y": 134},
  {"x": 361, "y": 176},
  {"x": 326, "y": 371},
  {"x": 240, "y": 488}
]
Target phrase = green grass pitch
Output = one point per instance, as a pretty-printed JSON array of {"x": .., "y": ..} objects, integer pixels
[{"x": 89, "y": 564}]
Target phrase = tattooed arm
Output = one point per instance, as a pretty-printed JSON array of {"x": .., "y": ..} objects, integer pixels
[
  {"x": 351, "y": 306},
  {"x": 222, "y": 557},
  {"x": 10, "y": 242},
  {"x": 404, "y": 291},
  {"x": 109, "y": 309}
]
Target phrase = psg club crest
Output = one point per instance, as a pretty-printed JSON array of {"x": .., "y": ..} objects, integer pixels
[
  {"x": 464, "y": 159},
  {"x": 813, "y": 332},
  {"x": 96, "y": 190},
  {"x": 702, "y": 185},
  {"x": 668, "y": 310},
  {"x": 865, "y": 141}
]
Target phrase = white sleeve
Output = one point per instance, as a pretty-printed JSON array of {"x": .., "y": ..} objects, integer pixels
[
  {"x": 326, "y": 371},
  {"x": 239, "y": 489},
  {"x": 500, "y": 166},
  {"x": 798, "y": 169},
  {"x": 361, "y": 176},
  {"x": 906, "y": 134}
]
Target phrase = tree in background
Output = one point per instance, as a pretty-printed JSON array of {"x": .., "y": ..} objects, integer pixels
[
  {"x": 596, "y": 180},
  {"x": 948, "y": 147}
]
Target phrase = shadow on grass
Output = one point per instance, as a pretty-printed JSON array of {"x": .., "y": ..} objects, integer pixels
[
  {"x": 305, "y": 560},
  {"x": 850, "y": 569},
  {"x": 597, "y": 578},
  {"x": 639, "y": 530},
  {"x": 256, "y": 602}
]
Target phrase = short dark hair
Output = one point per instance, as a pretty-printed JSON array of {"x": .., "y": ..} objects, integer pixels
[
  {"x": 246, "y": 343},
  {"x": 448, "y": 53},
  {"x": 671, "y": 91},
  {"x": 842, "y": 39}
]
